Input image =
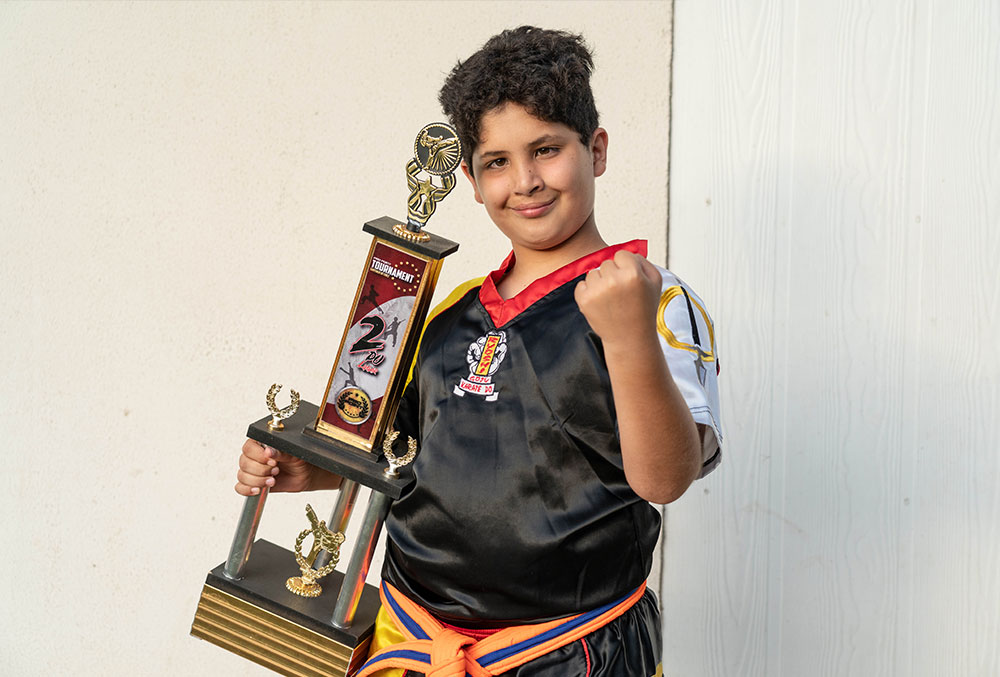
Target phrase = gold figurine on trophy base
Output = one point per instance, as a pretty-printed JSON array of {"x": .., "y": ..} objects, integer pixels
[{"x": 323, "y": 539}]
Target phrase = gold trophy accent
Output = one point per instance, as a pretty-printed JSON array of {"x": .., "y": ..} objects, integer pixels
[
  {"x": 438, "y": 152},
  {"x": 323, "y": 539},
  {"x": 397, "y": 462},
  {"x": 278, "y": 415}
]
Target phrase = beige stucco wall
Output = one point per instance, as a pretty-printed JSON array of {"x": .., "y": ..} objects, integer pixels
[{"x": 182, "y": 188}]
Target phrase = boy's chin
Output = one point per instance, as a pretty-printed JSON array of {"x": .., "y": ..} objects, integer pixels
[
  {"x": 539, "y": 244},
  {"x": 547, "y": 245},
  {"x": 562, "y": 238}
]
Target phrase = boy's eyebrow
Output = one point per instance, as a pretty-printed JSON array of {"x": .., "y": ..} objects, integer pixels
[
  {"x": 546, "y": 138},
  {"x": 543, "y": 139}
]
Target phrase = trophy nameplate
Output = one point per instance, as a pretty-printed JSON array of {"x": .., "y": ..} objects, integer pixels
[
  {"x": 253, "y": 604},
  {"x": 379, "y": 343}
]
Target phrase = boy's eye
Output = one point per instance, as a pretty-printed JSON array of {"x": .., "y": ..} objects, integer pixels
[
  {"x": 546, "y": 150},
  {"x": 497, "y": 163}
]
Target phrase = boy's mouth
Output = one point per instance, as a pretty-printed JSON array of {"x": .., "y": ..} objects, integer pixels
[{"x": 534, "y": 209}]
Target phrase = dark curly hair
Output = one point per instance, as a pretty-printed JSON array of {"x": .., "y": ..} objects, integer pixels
[{"x": 546, "y": 71}]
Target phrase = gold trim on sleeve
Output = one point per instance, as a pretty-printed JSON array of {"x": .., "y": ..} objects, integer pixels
[{"x": 661, "y": 326}]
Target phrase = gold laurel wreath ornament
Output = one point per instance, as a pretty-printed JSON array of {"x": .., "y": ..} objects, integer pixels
[
  {"x": 278, "y": 415},
  {"x": 323, "y": 539},
  {"x": 397, "y": 462}
]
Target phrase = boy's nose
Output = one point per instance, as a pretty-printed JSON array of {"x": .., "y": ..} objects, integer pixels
[{"x": 528, "y": 180}]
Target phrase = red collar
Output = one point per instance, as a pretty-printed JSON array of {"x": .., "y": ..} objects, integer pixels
[{"x": 503, "y": 311}]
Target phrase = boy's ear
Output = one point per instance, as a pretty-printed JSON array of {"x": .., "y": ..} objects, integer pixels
[
  {"x": 472, "y": 180},
  {"x": 599, "y": 150}
]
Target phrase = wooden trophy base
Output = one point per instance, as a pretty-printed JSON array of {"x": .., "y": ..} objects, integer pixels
[{"x": 258, "y": 618}]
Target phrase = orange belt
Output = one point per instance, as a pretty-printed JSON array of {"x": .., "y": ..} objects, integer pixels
[{"x": 439, "y": 651}]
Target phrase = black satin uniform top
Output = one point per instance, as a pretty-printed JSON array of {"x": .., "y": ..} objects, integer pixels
[{"x": 520, "y": 510}]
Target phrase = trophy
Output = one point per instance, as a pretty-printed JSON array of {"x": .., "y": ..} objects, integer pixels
[{"x": 300, "y": 624}]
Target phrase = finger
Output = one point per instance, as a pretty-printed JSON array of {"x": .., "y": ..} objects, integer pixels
[
  {"x": 649, "y": 270},
  {"x": 248, "y": 465},
  {"x": 249, "y": 480},
  {"x": 624, "y": 258},
  {"x": 246, "y": 490},
  {"x": 279, "y": 457},
  {"x": 255, "y": 450},
  {"x": 274, "y": 457},
  {"x": 629, "y": 261}
]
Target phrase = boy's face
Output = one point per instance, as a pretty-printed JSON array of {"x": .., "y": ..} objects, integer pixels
[{"x": 534, "y": 177}]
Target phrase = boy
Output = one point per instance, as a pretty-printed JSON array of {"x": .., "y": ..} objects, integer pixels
[{"x": 528, "y": 525}]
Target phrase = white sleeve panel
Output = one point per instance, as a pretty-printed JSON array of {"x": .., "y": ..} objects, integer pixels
[{"x": 687, "y": 338}]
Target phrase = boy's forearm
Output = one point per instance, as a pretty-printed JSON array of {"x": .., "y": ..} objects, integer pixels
[
  {"x": 661, "y": 450},
  {"x": 660, "y": 447}
]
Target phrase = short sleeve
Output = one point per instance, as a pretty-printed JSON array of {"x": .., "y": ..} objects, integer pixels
[{"x": 687, "y": 338}]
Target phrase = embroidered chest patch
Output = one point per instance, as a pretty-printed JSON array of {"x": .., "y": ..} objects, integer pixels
[{"x": 484, "y": 357}]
